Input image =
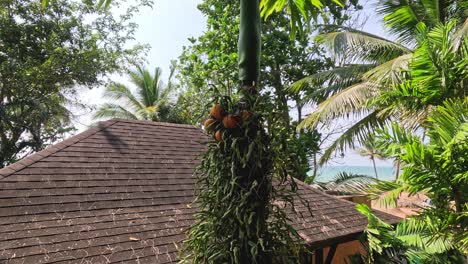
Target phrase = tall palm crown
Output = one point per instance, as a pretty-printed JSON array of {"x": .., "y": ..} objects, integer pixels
[
  {"x": 377, "y": 79},
  {"x": 150, "y": 97},
  {"x": 368, "y": 149}
]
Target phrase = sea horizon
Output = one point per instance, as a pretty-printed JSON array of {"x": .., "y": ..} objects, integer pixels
[{"x": 328, "y": 173}]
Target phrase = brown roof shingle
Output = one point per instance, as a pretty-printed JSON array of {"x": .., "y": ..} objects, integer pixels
[{"x": 122, "y": 192}]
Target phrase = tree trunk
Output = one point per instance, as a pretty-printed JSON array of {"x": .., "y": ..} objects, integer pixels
[
  {"x": 375, "y": 168},
  {"x": 299, "y": 110},
  {"x": 281, "y": 97},
  {"x": 397, "y": 173},
  {"x": 457, "y": 199},
  {"x": 315, "y": 166}
]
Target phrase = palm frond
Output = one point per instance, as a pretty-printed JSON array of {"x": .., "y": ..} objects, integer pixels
[
  {"x": 461, "y": 239},
  {"x": 345, "y": 102},
  {"x": 449, "y": 122},
  {"x": 344, "y": 177},
  {"x": 349, "y": 183},
  {"x": 327, "y": 83},
  {"x": 412, "y": 119},
  {"x": 358, "y": 45},
  {"x": 150, "y": 90},
  {"x": 402, "y": 17},
  {"x": 410, "y": 231},
  {"x": 165, "y": 93},
  {"x": 143, "y": 81},
  {"x": 109, "y": 110},
  {"x": 460, "y": 37},
  {"x": 437, "y": 72},
  {"x": 151, "y": 97},
  {"x": 379, "y": 234},
  {"x": 393, "y": 138},
  {"x": 356, "y": 133},
  {"x": 300, "y": 11},
  {"x": 387, "y": 193},
  {"x": 390, "y": 70},
  {"x": 118, "y": 91},
  {"x": 156, "y": 86},
  {"x": 426, "y": 233},
  {"x": 136, "y": 77}
]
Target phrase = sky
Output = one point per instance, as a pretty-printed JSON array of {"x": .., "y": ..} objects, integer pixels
[{"x": 166, "y": 28}]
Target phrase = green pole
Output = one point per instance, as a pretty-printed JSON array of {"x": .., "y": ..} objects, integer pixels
[
  {"x": 249, "y": 47},
  {"x": 249, "y": 44}
]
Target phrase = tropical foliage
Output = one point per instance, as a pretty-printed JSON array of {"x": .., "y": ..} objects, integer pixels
[
  {"x": 207, "y": 71},
  {"x": 419, "y": 240},
  {"x": 150, "y": 101},
  {"x": 422, "y": 85},
  {"x": 302, "y": 12},
  {"x": 45, "y": 55},
  {"x": 371, "y": 66},
  {"x": 242, "y": 202},
  {"x": 437, "y": 168},
  {"x": 436, "y": 71},
  {"x": 284, "y": 60}
]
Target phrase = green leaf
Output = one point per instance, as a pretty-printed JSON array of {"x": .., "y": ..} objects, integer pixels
[{"x": 44, "y": 3}]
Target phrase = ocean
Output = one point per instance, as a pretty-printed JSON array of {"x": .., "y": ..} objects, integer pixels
[{"x": 328, "y": 173}]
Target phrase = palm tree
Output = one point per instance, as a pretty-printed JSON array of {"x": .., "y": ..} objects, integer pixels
[
  {"x": 436, "y": 167},
  {"x": 368, "y": 149},
  {"x": 152, "y": 96},
  {"x": 379, "y": 66}
]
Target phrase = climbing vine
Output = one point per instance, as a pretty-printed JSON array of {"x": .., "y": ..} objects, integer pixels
[{"x": 243, "y": 193}]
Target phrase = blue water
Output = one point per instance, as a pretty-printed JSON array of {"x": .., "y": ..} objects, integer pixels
[{"x": 328, "y": 173}]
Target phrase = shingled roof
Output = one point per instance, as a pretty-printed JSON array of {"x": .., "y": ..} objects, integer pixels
[{"x": 122, "y": 192}]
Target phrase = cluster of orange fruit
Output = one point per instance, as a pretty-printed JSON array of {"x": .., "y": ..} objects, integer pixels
[{"x": 229, "y": 121}]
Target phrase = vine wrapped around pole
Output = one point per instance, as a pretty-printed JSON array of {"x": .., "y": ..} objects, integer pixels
[{"x": 240, "y": 217}]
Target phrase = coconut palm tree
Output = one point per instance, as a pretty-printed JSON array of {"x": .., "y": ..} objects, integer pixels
[
  {"x": 368, "y": 149},
  {"x": 151, "y": 97},
  {"x": 379, "y": 66}
]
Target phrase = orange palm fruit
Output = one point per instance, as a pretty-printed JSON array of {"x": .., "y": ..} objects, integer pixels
[
  {"x": 218, "y": 136},
  {"x": 209, "y": 124},
  {"x": 217, "y": 112},
  {"x": 230, "y": 121}
]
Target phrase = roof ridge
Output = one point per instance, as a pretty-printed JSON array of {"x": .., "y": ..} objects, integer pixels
[
  {"x": 154, "y": 123},
  {"x": 25, "y": 162}
]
